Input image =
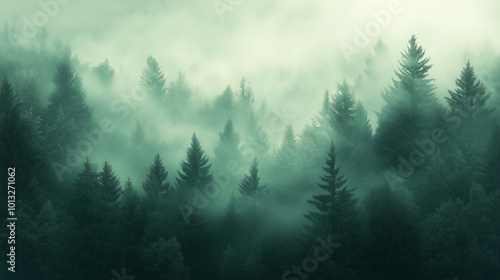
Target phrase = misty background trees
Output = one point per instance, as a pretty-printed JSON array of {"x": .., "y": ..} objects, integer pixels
[{"x": 104, "y": 183}]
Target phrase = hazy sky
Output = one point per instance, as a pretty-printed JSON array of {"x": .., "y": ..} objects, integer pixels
[{"x": 287, "y": 48}]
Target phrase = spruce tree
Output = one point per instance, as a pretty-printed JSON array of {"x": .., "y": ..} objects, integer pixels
[
  {"x": 348, "y": 116},
  {"x": 286, "y": 155},
  {"x": 411, "y": 110},
  {"x": 325, "y": 113},
  {"x": 334, "y": 207},
  {"x": 227, "y": 147},
  {"x": 251, "y": 210},
  {"x": 156, "y": 181},
  {"x": 250, "y": 188},
  {"x": 153, "y": 80},
  {"x": 110, "y": 185},
  {"x": 195, "y": 170},
  {"x": 470, "y": 95},
  {"x": 68, "y": 95},
  {"x": 178, "y": 95},
  {"x": 342, "y": 112}
]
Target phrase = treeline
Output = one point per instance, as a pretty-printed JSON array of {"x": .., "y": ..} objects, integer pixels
[{"x": 417, "y": 198}]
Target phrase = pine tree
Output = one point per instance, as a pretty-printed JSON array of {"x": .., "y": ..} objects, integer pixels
[
  {"x": 470, "y": 96},
  {"x": 335, "y": 207},
  {"x": 348, "y": 117},
  {"x": 325, "y": 113},
  {"x": 195, "y": 171},
  {"x": 251, "y": 209},
  {"x": 104, "y": 73},
  {"x": 110, "y": 185},
  {"x": 156, "y": 181},
  {"x": 342, "y": 112},
  {"x": 68, "y": 95},
  {"x": 227, "y": 147},
  {"x": 153, "y": 80},
  {"x": 250, "y": 189},
  {"x": 179, "y": 93},
  {"x": 286, "y": 155},
  {"x": 411, "y": 110}
]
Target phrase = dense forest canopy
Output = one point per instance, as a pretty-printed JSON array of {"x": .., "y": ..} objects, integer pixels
[{"x": 149, "y": 165}]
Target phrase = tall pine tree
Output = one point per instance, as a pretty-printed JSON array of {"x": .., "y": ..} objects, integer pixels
[
  {"x": 411, "y": 110},
  {"x": 68, "y": 95},
  {"x": 156, "y": 180},
  {"x": 195, "y": 170},
  {"x": 153, "y": 80},
  {"x": 335, "y": 207}
]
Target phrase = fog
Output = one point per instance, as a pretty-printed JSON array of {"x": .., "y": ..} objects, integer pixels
[{"x": 289, "y": 52}]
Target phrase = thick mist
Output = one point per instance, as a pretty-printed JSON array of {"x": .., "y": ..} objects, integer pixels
[{"x": 265, "y": 101}]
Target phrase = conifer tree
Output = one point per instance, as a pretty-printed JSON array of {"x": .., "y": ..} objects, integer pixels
[
  {"x": 250, "y": 189},
  {"x": 325, "y": 113},
  {"x": 227, "y": 147},
  {"x": 178, "y": 94},
  {"x": 470, "y": 95},
  {"x": 156, "y": 181},
  {"x": 348, "y": 117},
  {"x": 411, "y": 110},
  {"x": 110, "y": 185},
  {"x": 195, "y": 170},
  {"x": 68, "y": 95},
  {"x": 342, "y": 112},
  {"x": 333, "y": 208},
  {"x": 153, "y": 80},
  {"x": 251, "y": 209}
]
